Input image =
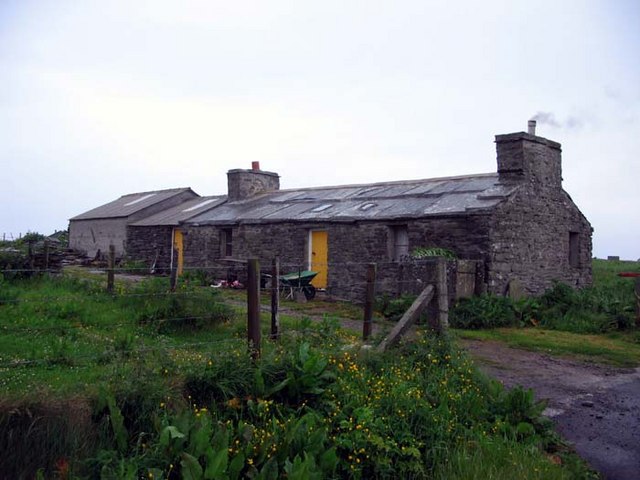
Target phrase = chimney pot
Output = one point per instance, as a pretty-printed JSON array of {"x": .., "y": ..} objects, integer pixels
[
  {"x": 255, "y": 165},
  {"x": 531, "y": 127}
]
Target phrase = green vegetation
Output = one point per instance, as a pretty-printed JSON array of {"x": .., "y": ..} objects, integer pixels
[
  {"x": 69, "y": 331},
  {"x": 595, "y": 323},
  {"x": 426, "y": 252},
  {"x": 618, "y": 348},
  {"x": 607, "y": 306},
  {"x": 145, "y": 383}
]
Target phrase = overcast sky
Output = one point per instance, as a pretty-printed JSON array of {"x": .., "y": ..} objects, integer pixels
[{"x": 103, "y": 98}]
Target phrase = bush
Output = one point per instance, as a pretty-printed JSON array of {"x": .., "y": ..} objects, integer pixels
[
  {"x": 393, "y": 308},
  {"x": 484, "y": 311},
  {"x": 597, "y": 309},
  {"x": 606, "y": 306}
]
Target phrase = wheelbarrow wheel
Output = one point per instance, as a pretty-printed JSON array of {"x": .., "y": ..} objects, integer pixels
[{"x": 309, "y": 292}]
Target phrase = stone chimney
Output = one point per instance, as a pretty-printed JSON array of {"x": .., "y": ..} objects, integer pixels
[
  {"x": 528, "y": 157},
  {"x": 244, "y": 184}
]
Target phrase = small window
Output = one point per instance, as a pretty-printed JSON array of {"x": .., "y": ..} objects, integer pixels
[
  {"x": 399, "y": 242},
  {"x": 322, "y": 208},
  {"x": 226, "y": 242},
  {"x": 366, "y": 206},
  {"x": 574, "y": 249}
]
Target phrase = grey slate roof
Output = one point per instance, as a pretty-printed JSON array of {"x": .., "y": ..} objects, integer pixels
[
  {"x": 175, "y": 215},
  {"x": 130, "y": 204},
  {"x": 377, "y": 201}
]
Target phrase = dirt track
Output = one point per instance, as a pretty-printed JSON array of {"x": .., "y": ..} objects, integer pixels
[{"x": 595, "y": 407}]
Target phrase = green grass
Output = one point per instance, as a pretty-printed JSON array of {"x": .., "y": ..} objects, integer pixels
[
  {"x": 618, "y": 349},
  {"x": 151, "y": 397},
  {"x": 499, "y": 459},
  {"x": 67, "y": 334}
]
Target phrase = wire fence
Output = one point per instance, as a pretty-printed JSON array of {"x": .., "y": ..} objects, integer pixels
[{"x": 57, "y": 318}]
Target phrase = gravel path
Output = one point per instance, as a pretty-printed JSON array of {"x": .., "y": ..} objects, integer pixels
[{"x": 595, "y": 407}]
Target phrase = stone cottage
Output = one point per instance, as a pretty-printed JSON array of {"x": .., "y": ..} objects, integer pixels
[
  {"x": 518, "y": 224},
  {"x": 92, "y": 232}
]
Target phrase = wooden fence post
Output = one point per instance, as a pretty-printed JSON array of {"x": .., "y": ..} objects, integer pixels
[
  {"x": 32, "y": 262},
  {"x": 637, "y": 292},
  {"x": 408, "y": 319},
  {"x": 369, "y": 301},
  {"x": 253, "y": 307},
  {"x": 442, "y": 322},
  {"x": 173, "y": 276},
  {"x": 46, "y": 255},
  {"x": 275, "y": 298},
  {"x": 110, "y": 268}
]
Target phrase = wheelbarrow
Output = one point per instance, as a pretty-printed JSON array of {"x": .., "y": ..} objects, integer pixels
[{"x": 298, "y": 282}]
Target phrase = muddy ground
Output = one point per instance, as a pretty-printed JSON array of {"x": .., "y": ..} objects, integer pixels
[{"x": 595, "y": 407}]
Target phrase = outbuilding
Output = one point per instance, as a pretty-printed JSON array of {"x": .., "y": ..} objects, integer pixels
[{"x": 92, "y": 232}]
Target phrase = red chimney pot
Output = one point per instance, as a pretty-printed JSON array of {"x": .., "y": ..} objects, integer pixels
[{"x": 255, "y": 165}]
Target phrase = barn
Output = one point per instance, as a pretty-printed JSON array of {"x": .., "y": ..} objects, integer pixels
[{"x": 92, "y": 232}]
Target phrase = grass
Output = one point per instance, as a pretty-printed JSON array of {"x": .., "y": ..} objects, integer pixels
[
  {"x": 499, "y": 459},
  {"x": 618, "y": 349},
  {"x": 595, "y": 324},
  {"x": 152, "y": 398},
  {"x": 66, "y": 334}
]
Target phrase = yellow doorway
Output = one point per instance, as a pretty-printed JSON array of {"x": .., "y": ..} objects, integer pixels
[
  {"x": 318, "y": 256},
  {"x": 178, "y": 248}
]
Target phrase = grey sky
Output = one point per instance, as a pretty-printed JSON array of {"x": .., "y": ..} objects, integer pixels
[{"x": 102, "y": 98}]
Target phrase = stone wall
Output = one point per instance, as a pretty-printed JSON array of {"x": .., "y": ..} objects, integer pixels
[
  {"x": 351, "y": 247},
  {"x": 151, "y": 245},
  {"x": 530, "y": 243},
  {"x": 532, "y": 231}
]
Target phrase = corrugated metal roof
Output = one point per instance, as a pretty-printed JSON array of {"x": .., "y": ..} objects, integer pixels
[
  {"x": 182, "y": 212},
  {"x": 130, "y": 204},
  {"x": 379, "y": 201}
]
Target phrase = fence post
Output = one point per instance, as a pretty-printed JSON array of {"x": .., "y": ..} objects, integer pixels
[
  {"x": 32, "y": 262},
  {"x": 443, "y": 295},
  {"x": 173, "y": 276},
  {"x": 111, "y": 267},
  {"x": 275, "y": 298},
  {"x": 369, "y": 300},
  {"x": 637, "y": 292},
  {"x": 46, "y": 255},
  {"x": 253, "y": 307}
]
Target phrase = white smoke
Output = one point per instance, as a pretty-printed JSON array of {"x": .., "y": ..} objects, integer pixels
[{"x": 548, "y": 118}]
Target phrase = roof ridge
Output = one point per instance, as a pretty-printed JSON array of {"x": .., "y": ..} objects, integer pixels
[
  {"x": 164, "y": 190},
  {"x": 381, "y": 184}
]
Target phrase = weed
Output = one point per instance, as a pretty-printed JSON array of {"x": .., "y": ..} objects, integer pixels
[{"x": 484, "y": 311}]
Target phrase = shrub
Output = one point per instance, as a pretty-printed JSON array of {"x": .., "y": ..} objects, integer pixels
[
  {"x": 595, "y": 309},
  {"x": 426, "y": 252},
  {"x": 484, "y": 311},
  {"x": 393, "y": 308}
]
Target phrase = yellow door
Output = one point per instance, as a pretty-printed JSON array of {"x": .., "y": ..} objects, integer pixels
[
  {"x": 319, "y": 258},
  {"x": 177, "y": 246}
]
